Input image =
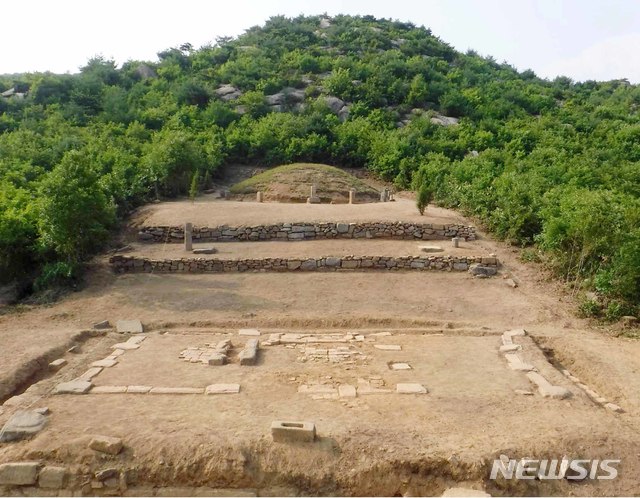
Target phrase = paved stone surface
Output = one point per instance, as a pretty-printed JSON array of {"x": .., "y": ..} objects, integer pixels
[
  {"x": 91, "y": 373},
  {"x": 108, "y": 389},
  {"x": 52, "y": 477},
  {"x": 222, "y": 389},
  {"x": 284, "y": 431},
  {"x": 388, "y": 347},
  {"x": 176, "y": 390},
  {"x": 138, "y": 389},
  {"x": 116, "y": 353},
  {"x": 249, "y": 332},
  {"x": 346, "y": 391},
  {"x": 129, "y": 326},
  {"x": 56, "y": 365},
  {"x": 18, "y": 473},
  {"x": 409, "y": 388},
  {"x": 249, "y": 355},
  {"x": 105, "y": 363},
  {"x": 21, "y": 425},
  {"x": 73, "y": 387},
  {"x": 106, "y": 444}
]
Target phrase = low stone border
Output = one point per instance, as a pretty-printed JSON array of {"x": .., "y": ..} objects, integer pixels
[
  {"x": 134, "y": 264},
  {"x": 594, "y": 396},
  {"x": 311, "y": 231}
]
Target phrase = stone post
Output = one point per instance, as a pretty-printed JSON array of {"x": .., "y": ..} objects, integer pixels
[
  {"x": 456, "y": 241},
  {"x": 259, "y": 196},
  {"x": 314, "y": 187},
  {"x": 384, "y": 195},
  {"x": 352, "y": 196},
  {"x": 313, "y": 199},
  {"x": 188, "y": 237}
]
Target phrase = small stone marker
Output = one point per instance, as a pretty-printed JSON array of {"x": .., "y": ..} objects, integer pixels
[
  {"x": 313, "y": 198},
  {"x": 222, "y": 389},
  {"x": 411, "y": 389},
  {"x": 258, "y": 196},
  {"x": 352, "y": 196},
  {"x": 388, "y": 347},
  {"x": 188, "y": 237},
  {"x": 21, "y": 425},
  {"x": 249, "y": 332},
  {"x": 102, "y": 325},
  {"x": 73, "y": 387},
  {"x": 292, "y": 432},
  {"x": 106, "y": 444},
  {"x": 129, "y": 327},
  {"x": 18, "y": 473},
  {"x": 455, "y": 241},
  {"x": 56, "y": 365}
]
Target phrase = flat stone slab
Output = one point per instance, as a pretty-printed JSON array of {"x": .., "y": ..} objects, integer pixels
[
  {"x": 516, "y": 332},
  {"x": 138, "y": 389},
  {"x": 108, "y": 389},
  {"x": 102, "y": 325},
  {"x": 284, "y": 431},
  {"x": 222, "y": 389},
  {"x": 346, "y": 391},
  {"x": 508, "y": 348},
  {"x": 73, "y": 387},
  {"x": 106, "y": 444},
  {"x": 129, "y": 326},
  {"x": 249, "y": 332},
  {"x": 91, "y": 373},
  {"x": 249, "y": 355},
  {"x": 546, "y": 389},
  {"x": 136, "y": 339},
  {"x": 409, "y": 388},
  {"x": 52, "y": 477},
  {"x": 400, "y": 366},
  {"x": 126, "y": 346},
  {"x": 177, "y": 390},
  {"x": 105, "y": 363},
  {"x": 317, "y": 389},
  {"x": 431, "y": 249},
  {"x": 56, "y": 365},
  {"x": 22, "y": 425},
  {"x": 515, "y": 363},
  {"x": 366, "y": 389},
  {"x": 205, "y": 250},
  {"x": 18, "y": 473},
  {"x": 388, "y": 347},
  {"x": 116, "y": 353}
]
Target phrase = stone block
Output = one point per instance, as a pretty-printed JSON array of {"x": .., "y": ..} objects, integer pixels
[
  {"x": 18, "y": 473},
  {"x": 460, "y": 266},
  {"x": 332, "y": 262},
  {"x": 52, "y": 477},
  {"x": 309, "y": 264},
  {"x": 249, "y": 355},
  {"x": 21, "y": 425},
  {"x": 388, "y": 347},
  {"x": 346, "y": 391},
  {"x": 138, "y": 339},
  {"x": 222, "y": 389},
  {"x": 217, "y": 359},
  {"x": 91, "y": 373},
  {"x": 176, "y": 390},
  {"x": 105, "y": 363},
  {"x": 138, "y": 389},
  {"x": 249, "y": 332},
  {"x": 284, "y": 431},
  {"x": 431, "y": 249},
  {"x": 410, "y": 388},
  {"x": 108, "y": 389},
  {"x": 126, "y": 346},
  {"x": 400, "y": 366},
  {"x": 129, "y": 326},
  {"x": 342, "y": 227},
  {"x": 515, "y": 363},
  {"x": 102, "y": 325},
  {"x": 73, "y": 387},
  {"x": 507, "y": 348},
  {"x": 106, "y": 444},
  {"x": 613, "y": 407},
  {"x": 56, "y": 365},
  {"x": 546, "y": 389},
  {"x": 350, "y": 263},
  {"x": 205, "y": 250}
]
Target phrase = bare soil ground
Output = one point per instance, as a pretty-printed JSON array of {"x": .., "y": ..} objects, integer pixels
[{"x": 447, "y": 324}]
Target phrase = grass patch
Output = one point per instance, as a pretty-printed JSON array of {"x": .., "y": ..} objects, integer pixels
[{"x": 292, "y": 183}]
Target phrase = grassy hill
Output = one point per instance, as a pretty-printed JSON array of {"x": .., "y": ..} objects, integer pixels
[
  {"x": 549, "y": 164},
  {"x": 292, "y": 183}
]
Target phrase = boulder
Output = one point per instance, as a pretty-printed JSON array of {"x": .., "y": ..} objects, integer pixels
[
  {"x": 106, "y": 444},
  {"x": 334, "y": 103},
  {"x": 22, "y": 425}
]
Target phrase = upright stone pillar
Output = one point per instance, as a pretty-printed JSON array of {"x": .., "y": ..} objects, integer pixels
[
  {"x": 352, "y": 196},
  {"x": 313, "y": 199},
  {"x": 259, "y": 196},
  {"x": 455, "y": 241},
  {"x": 188, "y": 237}
]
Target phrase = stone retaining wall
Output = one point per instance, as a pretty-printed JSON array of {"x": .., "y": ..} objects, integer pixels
[
  {"x": 129, "y": 264},
  {"x": 311, "y": 231}
]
